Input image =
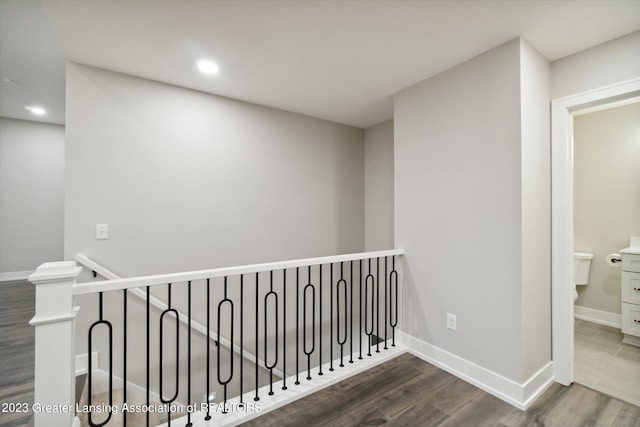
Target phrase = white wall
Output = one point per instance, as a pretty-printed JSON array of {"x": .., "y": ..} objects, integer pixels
[
  {"x": 472, "y": 209},
  {"x": 31, "y": 194},
  {"x": 535, "y": 81},
  {"x": 611, "y": 62},
  {"x": 457, "y": 212},
  {"x": 606, "y": 196},
  {"x": 378, "y": 187},
  {"x": 188, "y": 180}
]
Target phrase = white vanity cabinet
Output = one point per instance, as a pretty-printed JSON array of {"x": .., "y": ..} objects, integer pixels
[{"x": 631, "y": 293}]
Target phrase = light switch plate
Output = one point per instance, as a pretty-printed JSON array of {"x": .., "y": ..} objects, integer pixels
[
  {"x": 102, "y": 231},
  {"x": 451, "y": 321}
]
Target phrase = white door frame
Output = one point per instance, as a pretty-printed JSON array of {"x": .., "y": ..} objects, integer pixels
[{"x": 562, "y": 216}]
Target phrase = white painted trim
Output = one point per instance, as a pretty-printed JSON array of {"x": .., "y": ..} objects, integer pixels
[
  {"x": 293, "y": 391},
  {"x": 535, "y": 386},
  {"x": 598, "y": 316},
  {"x": 39, "y": 320},
  {"x": 518, "y": 395},
  {"x": 561, "y": 241},
  {"x": 55, "y": 272},
  {"x": 562, "y": 216},
  {"x": 54, "y": 381},
  {"x": 608, "y": 106},
  {"x": 90, "y": 264},
  {"x": 15, "y": 275},
  {"x": 163, "y": 279},
  {"x": 82, "y": 362},
  {"x": 631, "y": 340}
]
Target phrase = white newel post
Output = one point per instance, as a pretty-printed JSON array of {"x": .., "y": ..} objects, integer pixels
[{"x": 54, "y": 386}]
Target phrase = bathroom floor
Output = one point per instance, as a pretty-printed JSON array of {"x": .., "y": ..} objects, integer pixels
[{"x": 604, "y": 363}]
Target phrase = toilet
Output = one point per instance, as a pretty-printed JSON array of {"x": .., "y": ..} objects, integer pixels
[{"x": 581, "y": 266}]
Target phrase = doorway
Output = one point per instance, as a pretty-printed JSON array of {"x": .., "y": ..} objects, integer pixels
[
  {"x": 606, "y": 156},
  {"x": 562, "y": 216}
]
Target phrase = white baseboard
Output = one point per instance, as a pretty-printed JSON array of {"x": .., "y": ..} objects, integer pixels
[
  {"x": 597, "y": 316},
  {"x": 136, "y": 394},
  {"x": 536, "y": 385},
  {"x": 519, "y": 395},
  {"x": 15, "y": 275},
  {"x": 82, "y": 362}
]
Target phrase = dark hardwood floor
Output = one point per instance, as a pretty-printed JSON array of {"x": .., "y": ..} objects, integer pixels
[
  {"x": 410, "y": 392},
  {"x": 17, "y": 350}
]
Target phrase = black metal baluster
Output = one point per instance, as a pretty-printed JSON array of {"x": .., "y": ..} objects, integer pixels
[
  {"x": 320, "y": 333},
  {"x": 368, "y": 308},
  {"x": 308, "y": 287},
  {"x": 377, "y": 305},
  {"x": 124, "y": 357},
  {"x": 360, "y": 309},
  {"x": 100, "y": 321},
  {"x": 224, "y": 382},
  {"x": 343, "y": 340},
  {"x": 110, "y": 357},
  {"x": 385, "y": 304},
  {"x": 148, "y": 355},
  {"x": 284, "y": 329},
  {"x": 241, "y": 335},
  {"x": 351, "y": 312},
  {"x": 188, "y": 352},
  {"x": 270, "y": 366},
  {"x": 208, "y": 416},
  {"x": 393, "y": 278},
  {"x": 169, "y": 310},
  {"x": 297, "y": 325},
  {"x": 256, "y": 398},
  {"x": 330, "y": 317}
]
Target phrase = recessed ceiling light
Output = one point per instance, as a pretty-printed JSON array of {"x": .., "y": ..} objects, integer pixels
[
  {"x": 38, "y": 111},
  {"x": 207, "y": 67}
]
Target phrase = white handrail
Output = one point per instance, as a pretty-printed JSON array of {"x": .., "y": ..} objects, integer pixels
[
  {"x": 163, "y": 279},
  {"x": 102, "y": 271},
  {"x": 94, "y": 266}
]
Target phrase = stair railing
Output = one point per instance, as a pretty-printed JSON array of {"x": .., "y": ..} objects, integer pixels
[
  {"x": 99, "y": 270},
  {"x": 275, "y": 310}
]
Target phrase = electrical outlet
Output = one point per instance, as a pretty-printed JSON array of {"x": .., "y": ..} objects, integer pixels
[
  {"x": 102, "y": 231},
  {"x": 451, "y": 321}
]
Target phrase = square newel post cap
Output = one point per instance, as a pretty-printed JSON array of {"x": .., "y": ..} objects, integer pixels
[{"x": 55, "y": 272}]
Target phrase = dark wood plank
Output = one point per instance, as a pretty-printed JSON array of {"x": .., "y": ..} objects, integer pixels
[
  {"x": 17, "y": 349},
  {"x": 537, "y": 413},
  {"x": 402, "y": 403},
  {"x": 484, "y": 410},
  {"x": 432, "y": 397},
  {"x": 347, "y": 395}
]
